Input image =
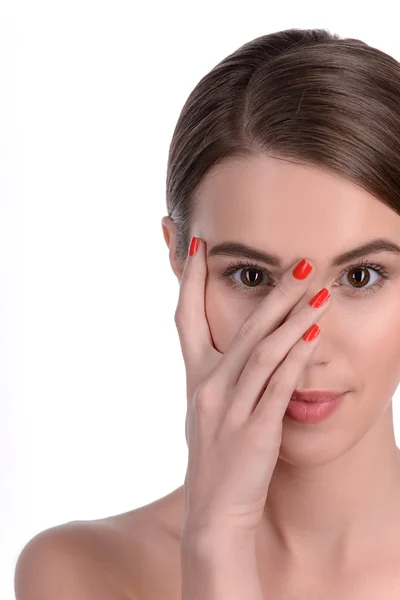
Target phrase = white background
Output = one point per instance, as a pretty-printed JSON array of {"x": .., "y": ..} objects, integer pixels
[{"x": 92, "y": 380}]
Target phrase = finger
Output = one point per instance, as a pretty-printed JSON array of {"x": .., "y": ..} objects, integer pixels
[
  {"x": 274, "y": 401},
  {"x": 190, "y": 318},
  {"x": 262, "y": 322},
  {"x": 266, "y": 359}
]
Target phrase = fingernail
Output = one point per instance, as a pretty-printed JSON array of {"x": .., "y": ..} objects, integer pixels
[
  {"x": 302, "y": 270},
  {"x": 194, "y": 244},
  {"x": 311, "y": 333},
  {"x": 319, "y": 298}
]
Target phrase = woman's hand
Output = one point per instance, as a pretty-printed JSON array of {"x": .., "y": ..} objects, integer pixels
[{"x": 237, "y": 400}]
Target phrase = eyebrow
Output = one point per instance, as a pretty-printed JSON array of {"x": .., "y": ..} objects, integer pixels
[{"x": 232, "y": 248}]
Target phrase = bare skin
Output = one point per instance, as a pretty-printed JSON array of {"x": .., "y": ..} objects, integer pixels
[
  {"x": 331, "y": 527},
  {"x": 335, "y": 494},
  {"x": 148, "y": 562}
]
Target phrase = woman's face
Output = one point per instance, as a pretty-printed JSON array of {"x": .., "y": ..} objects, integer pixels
[{"x": 300, "y": 212}]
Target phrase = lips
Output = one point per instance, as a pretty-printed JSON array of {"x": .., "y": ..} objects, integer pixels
[{"x": 315, "y": 395}]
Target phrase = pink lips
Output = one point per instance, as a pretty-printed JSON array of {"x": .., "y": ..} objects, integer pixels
[
  {"x": 315, "y": 395},
  {"x": 313, "y": 406}
]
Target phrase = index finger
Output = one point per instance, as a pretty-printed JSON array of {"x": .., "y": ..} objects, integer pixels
[{"x": 190, "y": 317}]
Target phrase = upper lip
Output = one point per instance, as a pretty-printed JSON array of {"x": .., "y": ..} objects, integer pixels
[{"x": 315, "y": 395}]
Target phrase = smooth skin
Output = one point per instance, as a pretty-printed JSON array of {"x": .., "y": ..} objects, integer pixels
[
  {"x": 331, "y": 522},
  {"x": 236, "y": 411},
  {"x": 334, "y": 495},
  {"x": 235, "y": 428}
]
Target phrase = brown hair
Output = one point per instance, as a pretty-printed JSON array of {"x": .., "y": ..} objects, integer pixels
[{"x": 303, "y": 95}]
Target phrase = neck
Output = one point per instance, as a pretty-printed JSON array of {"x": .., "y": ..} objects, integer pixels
[{"x": 335, "y": 509}]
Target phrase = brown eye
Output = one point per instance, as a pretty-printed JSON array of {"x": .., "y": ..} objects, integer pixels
[
  {"x": 247, "y": 277},
  {"x": 250, "y": 277},
  {"x": 358, "y": 279}
]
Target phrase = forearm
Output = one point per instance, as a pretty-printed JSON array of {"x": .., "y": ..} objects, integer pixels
[{"x": 219, "y": 568}]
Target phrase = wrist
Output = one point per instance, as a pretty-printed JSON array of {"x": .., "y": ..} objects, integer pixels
[{"x": 210, "y": 541}]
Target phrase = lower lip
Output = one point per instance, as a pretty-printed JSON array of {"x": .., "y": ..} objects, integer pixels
[{"x": 312, "y": 412}]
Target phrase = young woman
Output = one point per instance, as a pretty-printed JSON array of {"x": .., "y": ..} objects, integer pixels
[{"x": 284, "y": 167}]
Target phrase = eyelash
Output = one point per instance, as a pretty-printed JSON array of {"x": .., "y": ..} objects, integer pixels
[{"x": 233, "y": 267}]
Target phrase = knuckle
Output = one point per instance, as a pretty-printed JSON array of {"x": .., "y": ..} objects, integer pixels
[
  {"x": 180, "y": 318},
  {"x": 264, "y": 354},
  {"x": 248, "y": 327},
  {"x": 261, "y": 356},
  {"x": 178, "y": 314},
  {"x": 278, "y": 386},
  {"x": 204, "y": 399}
]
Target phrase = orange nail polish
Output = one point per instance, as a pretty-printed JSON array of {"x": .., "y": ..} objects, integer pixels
[
  {"x": 302, "y": 270},
  {"x": 194, "y": 244},
  {"x": 319, "y": 298},
  {"x": 311, "y": 333}
]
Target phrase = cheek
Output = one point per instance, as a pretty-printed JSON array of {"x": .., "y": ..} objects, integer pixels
[
  {"x": 225, "y": 314},
  {"x": 374, "y": 351}
]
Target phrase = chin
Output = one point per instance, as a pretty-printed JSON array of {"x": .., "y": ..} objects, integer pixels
[{"x": 304, "y": 448}]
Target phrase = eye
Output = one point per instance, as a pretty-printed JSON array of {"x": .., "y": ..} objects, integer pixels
[{"x": 252, "y": 277}]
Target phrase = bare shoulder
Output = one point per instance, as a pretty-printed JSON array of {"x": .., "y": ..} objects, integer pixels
[
  {"x": 80, "y": 559},
  {"x": 151, "y": 538},
  {"x": 131, "y": 556}
]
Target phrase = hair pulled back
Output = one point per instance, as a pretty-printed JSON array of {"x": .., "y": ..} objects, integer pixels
[{"x": 304, "y": 95}]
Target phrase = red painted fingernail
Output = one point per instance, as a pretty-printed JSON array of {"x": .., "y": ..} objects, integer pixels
[
  {"x": 194, "y": 244},
  {"x": 311, "y": 333},
  {"x": 319, "y": 298},
  {"x": 302, "y": 270}
]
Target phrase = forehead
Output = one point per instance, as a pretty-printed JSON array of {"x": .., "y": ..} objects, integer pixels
[{"x": 291, "y": 208}]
